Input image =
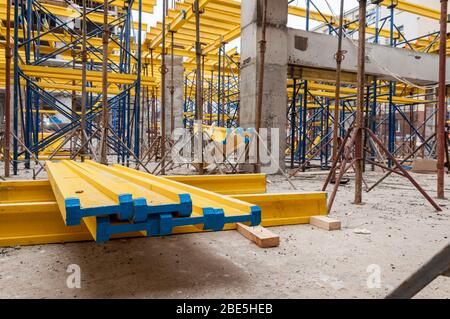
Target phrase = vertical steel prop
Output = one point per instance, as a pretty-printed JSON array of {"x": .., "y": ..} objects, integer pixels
[
  {"x": 105, "y": 120},
  {"x": 8, "y": 56},
  {"x": 442, "y": 106},
  {"x": 337, "y": 99},
  {"x": 83, "y": 82},
  {"x": 360, "y": 102},
  {"x": 260, "y": 88},
  {"x": 163, "y": 89},
  {"x": 198, "y": 86}
]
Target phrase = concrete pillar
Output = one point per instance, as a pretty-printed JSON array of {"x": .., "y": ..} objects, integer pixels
[
  {"x": 178, "y": 93},
  {"x": 274, "y": 100}
]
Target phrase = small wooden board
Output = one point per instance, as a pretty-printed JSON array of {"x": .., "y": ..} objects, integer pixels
[
  {"x": 325, "y": 222},
  {"x": 261, "y": 236},
  {"x": 424, "y": 166}
]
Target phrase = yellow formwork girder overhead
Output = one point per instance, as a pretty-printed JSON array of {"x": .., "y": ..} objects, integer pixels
[
  {"x": 417, "y": 9},
  {"x": 334, "y": 21},
  {"x": 70, "y": 12},
  {"x": 75, "y": 75}
]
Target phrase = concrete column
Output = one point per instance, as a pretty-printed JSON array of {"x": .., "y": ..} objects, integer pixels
[
  {"x": 178, "y": 93},
  {"x": 274, "y": 102}
]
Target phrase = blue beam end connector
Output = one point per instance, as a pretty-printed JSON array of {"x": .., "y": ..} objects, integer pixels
[
  {"x": 214, "y": 219},
  {"x": 126, "y": 209},
  {"x": 73, "y": 211}
]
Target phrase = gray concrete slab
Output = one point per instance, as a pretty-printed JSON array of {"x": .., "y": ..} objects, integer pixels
[{"x": 381, "y": 61}]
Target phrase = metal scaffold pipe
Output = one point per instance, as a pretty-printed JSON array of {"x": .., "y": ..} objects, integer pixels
[
  {"x": 163, "y": 89},
  {"x": 83, "y": 82},
  {"x": 198, "y": 84},
  {"x": 339, "y": 58},
  {"x": 172, "y": 87},
  {"x": 104, "y": 136},
  {"x": 359, "y": 123},
  {"x": 259, "y": 94},
  {"x": 8, "y": 56},
  {"x": 442, "y": 106}
]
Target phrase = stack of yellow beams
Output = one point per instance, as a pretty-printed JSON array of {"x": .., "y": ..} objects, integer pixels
[{"x": 29, "y": 212}]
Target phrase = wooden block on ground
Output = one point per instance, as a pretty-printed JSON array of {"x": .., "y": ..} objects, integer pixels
[
  {"x": 424, "y": 166},
  {"x": 261, "y": 236},
  {"x": 325, "y": 222}
]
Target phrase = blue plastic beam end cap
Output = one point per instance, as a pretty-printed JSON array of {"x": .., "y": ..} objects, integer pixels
[
  {"x": 102, "y": 233},
  {"x": 152, "y": 225},
  {"x": 214, "y": 219},
  {"x": 186, "y": 205},
  {"x": 73, "y": 211},
  {"x": 255, "y": 218},
  {"x": 140, "y": 210},
  {"x": 165, "y": 224},
  {"x": 126, "y": 210}
]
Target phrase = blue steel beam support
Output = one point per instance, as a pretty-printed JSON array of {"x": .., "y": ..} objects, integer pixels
[
  {"x": 137, "y": 103},
  {"x": 392, "y": 122}
]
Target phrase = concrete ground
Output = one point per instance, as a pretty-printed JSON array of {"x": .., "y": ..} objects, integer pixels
[{"x": 402, "y": 232}]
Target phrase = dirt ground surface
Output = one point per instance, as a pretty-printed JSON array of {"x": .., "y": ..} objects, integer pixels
[{"x": 402, "y": 231}]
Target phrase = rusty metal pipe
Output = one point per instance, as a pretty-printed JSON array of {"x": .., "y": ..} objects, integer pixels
[
  {"x": 337, "y": 99},
  {"x": 198, "y": 85},
  {"x": 8, "y": 56},
  {"x": 442, "y": 107},
  {"x": 260, "y": 88},
  {"x": 360, "y": 102},
  {"x": 105, "y": 120},
  {"x": 163, "y": 88}
]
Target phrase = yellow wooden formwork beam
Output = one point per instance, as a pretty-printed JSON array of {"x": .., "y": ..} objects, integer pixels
[
  {"x": 114, "y": 185},
  {"x": 417, "y": 9},
  {"x": 75, "y": 75},
  {"x": 380, "y": 99},
  {"x": 206, "y": 116},
  {"x": 25, "y": 191},
  {"x": 40, "y": 222},
  {"x": 66, "y": 55},
  {"x": 226, "y": 184},
  {"x": 147, "y": 5},
  {"x": 200, "y": 198},
  {"x": 177, "y": 22},
  {"x": 67, "y": 185},
  {"x": 69, "y": 12},
  {"x": 67, "y": 38},
  {"x": 334, "y": 21},
  {"x": 41, "y": 190},
  {"x": 32, "y": 223},
  {"x": 288, "y": 209}
]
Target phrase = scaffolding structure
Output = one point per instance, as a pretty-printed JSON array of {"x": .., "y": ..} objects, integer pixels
[
  {"x": 78, "y": 77},
  {"x": 90, "y": 74},
  {"x": 391, "y": 107}
]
